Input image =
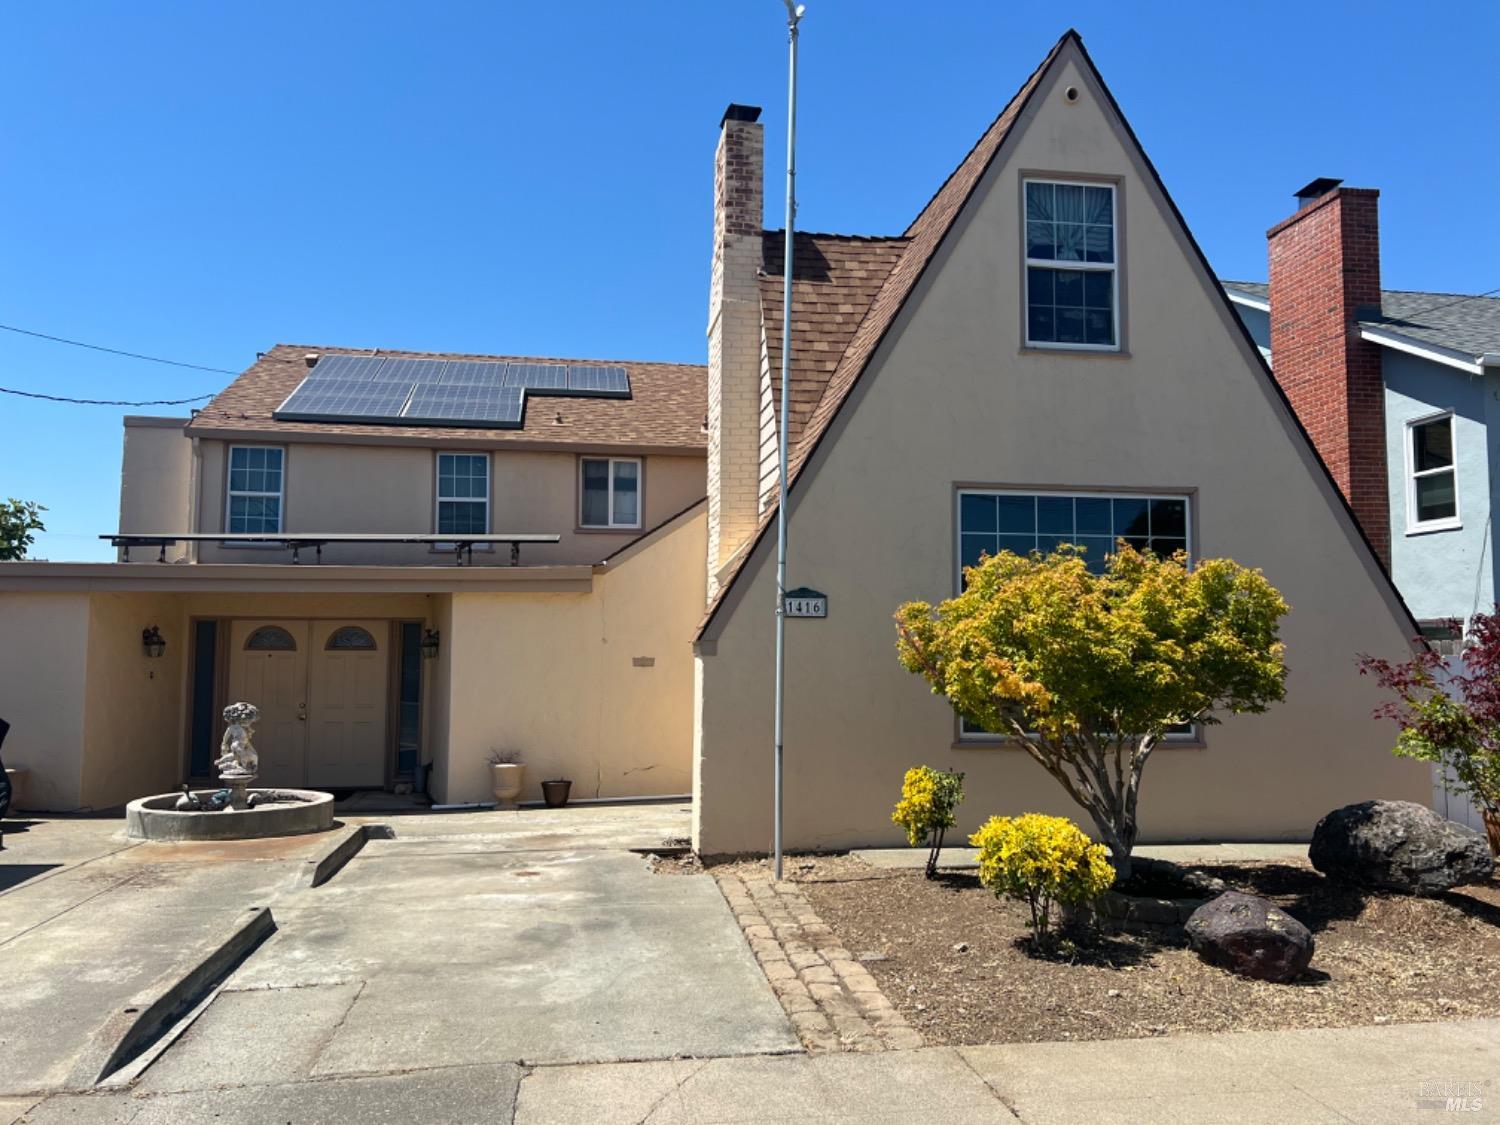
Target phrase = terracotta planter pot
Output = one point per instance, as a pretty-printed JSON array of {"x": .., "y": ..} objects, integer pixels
[
  {"x": 555, "y": 793},
  {"x": 507, "y": 778},
  {"x": 1492, "y": 830}
]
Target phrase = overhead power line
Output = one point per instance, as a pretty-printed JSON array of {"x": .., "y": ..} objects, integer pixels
[
  {"x": 105, "y": 401},
  {"x": 117, "y": 351}
]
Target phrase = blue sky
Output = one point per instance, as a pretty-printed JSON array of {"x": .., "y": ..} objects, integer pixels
[{"x": 200, "y": 181}]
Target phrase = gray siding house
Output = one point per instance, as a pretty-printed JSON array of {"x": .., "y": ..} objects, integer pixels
[{"x": 1420, "y": 370}]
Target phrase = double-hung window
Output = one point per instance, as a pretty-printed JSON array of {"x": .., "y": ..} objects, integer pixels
[
  {"x": 1072, "y": 282},
  {"x": 463, "y": 494},
  {"x": 610, "y": 492},
  {"x": 995, "y": 520},
  {"x": 1432, "y": 479},
  {"x": 256, "y": 487}
]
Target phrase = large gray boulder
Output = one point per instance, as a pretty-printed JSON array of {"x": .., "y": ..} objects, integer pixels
[
  {"x": 1251, "y": 937},
  {"x": 1399, "y": 846}
]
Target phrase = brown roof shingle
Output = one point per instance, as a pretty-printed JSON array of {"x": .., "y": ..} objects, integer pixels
[
  {"x": 665, "y": 411},
  {"x": 834, "y": 280}
]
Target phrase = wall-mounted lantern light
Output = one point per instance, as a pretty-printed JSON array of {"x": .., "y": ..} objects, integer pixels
[
  {"x": 153, "y": 642},
  {"x": 429, "y": 644}
]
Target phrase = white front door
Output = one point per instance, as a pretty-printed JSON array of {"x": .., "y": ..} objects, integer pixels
[
  {"x": 268, "y": 667},
  {"x": 348, "y": 672}
]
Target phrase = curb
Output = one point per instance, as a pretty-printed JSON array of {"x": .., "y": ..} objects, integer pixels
[
  {"x": 130, "y": 1032},
  {"x": 331, "y": 859}
]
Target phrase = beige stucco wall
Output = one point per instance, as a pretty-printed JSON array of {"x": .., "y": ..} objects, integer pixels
[
  {"x": 952, "y": 399},
  {"x": 596, "y": 687},
  {"x": 391, "y": 490},
  {"x": 43, "y": 661},
  {"x": 133, "y": 704},
  {"x": 155, "y": 475}
]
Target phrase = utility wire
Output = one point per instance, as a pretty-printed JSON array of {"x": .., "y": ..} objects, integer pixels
[
  {"x": 105, "y": 401},
  {"x": 117, "y": 351}
]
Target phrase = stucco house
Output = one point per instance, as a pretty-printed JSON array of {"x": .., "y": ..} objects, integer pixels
[{"x": 1042, "y": 355}]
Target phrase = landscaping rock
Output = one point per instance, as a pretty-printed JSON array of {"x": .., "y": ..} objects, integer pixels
[
  {"x": 1399, "y": 846},
  {"x": 1250, "y": 936}
]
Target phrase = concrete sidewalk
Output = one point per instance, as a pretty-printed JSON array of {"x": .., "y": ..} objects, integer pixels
[{"x": 1367, "y": 1076}]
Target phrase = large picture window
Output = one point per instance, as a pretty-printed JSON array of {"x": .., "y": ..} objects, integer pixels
[
  {"x": 256, "y": 487},
  {"x": 610, "y": 492},
  {"x": 463, "y": 494},
  {"x": 1072, "y": 285},
  {"x": 994, "y": 520},
  {"x": 1432, "y": 477}
]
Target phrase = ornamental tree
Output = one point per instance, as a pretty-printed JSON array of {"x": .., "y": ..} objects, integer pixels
[
  {"x": 928, "y": 798},
  {"x": 18, "y": 519},
  {"x": 1450, "y": 716},
  {"x": 1088, "y": 672}
]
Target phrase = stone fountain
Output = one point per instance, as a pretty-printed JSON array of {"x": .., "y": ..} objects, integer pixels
[{"x": 235, "y": 811}]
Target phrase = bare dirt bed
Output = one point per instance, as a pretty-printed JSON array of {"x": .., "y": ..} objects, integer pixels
[{"x": 956, "y": 962}]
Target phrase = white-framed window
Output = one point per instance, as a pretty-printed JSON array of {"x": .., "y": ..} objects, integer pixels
[
  {"x": 463, "y": 494},
  {"x": 1431, "y": 474},
  {"x": 994, "y": 520},
  {"x": 609, "y": 492},
  {"x": 256, "y": 487},
  {"x": 1072, "y": 256}
]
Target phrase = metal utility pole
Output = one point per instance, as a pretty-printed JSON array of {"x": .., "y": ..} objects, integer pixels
[{"x": 794, "y": 13}]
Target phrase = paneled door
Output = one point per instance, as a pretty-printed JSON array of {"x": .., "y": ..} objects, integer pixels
[
  {"x": 268, "y": 667},
  {"x": 347, "y": 688}
]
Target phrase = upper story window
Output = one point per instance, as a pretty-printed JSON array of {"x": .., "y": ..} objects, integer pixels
[
  {"x": 463, "y": 494},
  {"x": 610, "y": 492},
  {"x": 992, "y": 521},
  {"x": 256, "y": 487},
  {"x": 1072, "y": 285},
  {"x": 1432, "y": 478}
]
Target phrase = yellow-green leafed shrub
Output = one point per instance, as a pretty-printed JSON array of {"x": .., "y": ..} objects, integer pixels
[
  {"x": 1041, "y": 860},
  {"x": 928, "y": 798}
]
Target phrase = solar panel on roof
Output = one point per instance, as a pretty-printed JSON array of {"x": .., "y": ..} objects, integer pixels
[
  {"x": 538, "y": 376},
  {"x": 417, "y": 370},
  {"x": 474, "y": 372},
  {"x": 347, "y": 366},
  {"x": 598, "y": 379},
  {"x": 333, "y": 399},
  {"x": 450, "y": 404}
]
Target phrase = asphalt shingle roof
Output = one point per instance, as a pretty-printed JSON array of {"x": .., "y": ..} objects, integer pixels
[
  {"x": 666, "y": 409},
  {"x": 1460, "y": 323}
]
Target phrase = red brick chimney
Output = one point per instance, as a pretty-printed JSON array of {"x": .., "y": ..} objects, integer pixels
[{"x": 1325, "y": 277}]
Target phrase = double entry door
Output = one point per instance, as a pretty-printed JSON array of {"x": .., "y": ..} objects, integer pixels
[{"x": 321, "y": 688}]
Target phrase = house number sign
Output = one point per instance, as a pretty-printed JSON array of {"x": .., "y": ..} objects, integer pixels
[{"x": 803, "y": 602}]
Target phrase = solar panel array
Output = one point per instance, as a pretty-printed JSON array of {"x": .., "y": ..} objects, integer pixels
[{"x": 433, "y": 392}]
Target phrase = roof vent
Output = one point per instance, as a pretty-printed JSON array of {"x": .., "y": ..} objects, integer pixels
[
  {"x": 1315, "y": 190},
  {"x": 311, "y": 358}
]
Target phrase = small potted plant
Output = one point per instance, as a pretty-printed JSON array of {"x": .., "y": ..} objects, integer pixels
[
  {"x": 555, "y": 792},
  {"x": 507, "y": 776}
]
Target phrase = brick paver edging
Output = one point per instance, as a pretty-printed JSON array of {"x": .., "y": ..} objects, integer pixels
[{"x": 832, "y": 1000}]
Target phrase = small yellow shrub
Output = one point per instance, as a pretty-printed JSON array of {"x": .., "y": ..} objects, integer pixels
[
  {"x": 928, "y": 798},
  {"x": 1041, "y": 860}
]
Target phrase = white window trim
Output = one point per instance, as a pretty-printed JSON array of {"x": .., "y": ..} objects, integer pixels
[
  {"x": 1193, "y": 738},
  {"x": 1415, "y": 526},
  {"x": 612, "y": 525},
  {"x": 230, "y": 493},
  {"x": 1053, "y": 264},
  {"x": 438, "y": 497}
]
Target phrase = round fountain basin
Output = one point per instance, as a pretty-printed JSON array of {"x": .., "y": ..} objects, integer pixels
[{"x": 299, "y": 812}]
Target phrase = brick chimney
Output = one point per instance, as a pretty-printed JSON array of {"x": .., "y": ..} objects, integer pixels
[
  {"x": 1325, "y": 277},
  {"x": 734, "y": 344}
]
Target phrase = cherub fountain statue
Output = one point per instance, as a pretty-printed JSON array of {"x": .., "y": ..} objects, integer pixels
[{"x": 238, "y": 762}]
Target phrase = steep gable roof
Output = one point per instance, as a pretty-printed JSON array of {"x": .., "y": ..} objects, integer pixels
[
  {"x": 666, "y": 410},
  {"x": 925, "y": 238}
]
